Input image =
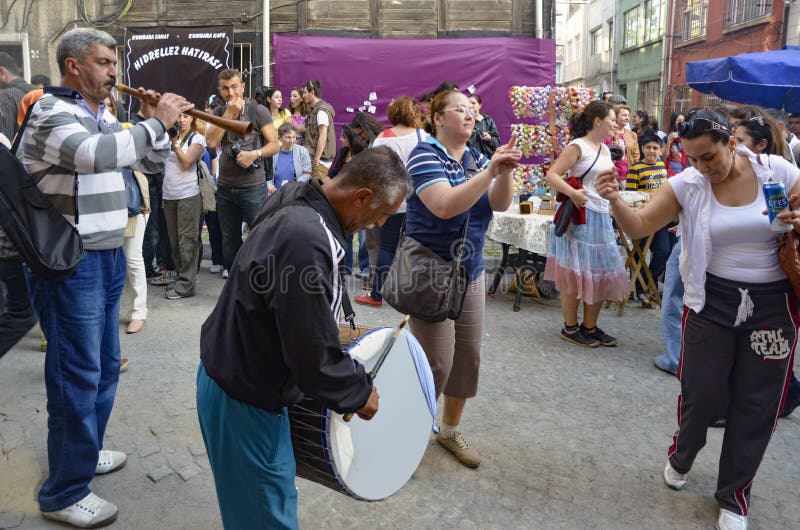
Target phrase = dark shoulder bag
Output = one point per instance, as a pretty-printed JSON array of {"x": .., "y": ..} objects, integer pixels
[
  {"x": 45, "y": 240},
  {"x": 421, "y": 284}
]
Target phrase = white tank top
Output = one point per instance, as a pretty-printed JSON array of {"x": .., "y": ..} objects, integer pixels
[
  {"x": 588, "y": 154},
  {"x": 743, "y": 245}
]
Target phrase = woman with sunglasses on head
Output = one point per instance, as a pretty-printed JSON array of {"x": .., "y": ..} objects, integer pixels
[
  {"x": 738, "y": 115},
  {"x": 584, "y": 262},
  {"x": 456, "y": 186},
  {"x": 740, "y": 319}
]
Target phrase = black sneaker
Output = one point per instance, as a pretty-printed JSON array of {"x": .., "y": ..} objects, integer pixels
[
  {"x": 603, "y": 338},
  {"x": 579, "y": 337}
]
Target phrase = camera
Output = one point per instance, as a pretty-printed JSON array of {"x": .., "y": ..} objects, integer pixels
[
  {"x": 173, "y": 131},
  {"x": 616, "y": 153},
  {"x": 233, "y": 152}
]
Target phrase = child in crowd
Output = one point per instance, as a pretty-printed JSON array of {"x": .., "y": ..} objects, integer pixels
[{"x": 648, "y": 175}]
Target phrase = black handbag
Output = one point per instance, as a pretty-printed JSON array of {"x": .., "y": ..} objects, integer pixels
[
  {"x": 422, "y": 284},
  {"x": 47, "y": 242},
  {"x": 566, "y": 212}
]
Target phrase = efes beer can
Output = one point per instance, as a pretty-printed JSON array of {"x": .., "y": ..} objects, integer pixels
[{"x": 777, "y": 201}]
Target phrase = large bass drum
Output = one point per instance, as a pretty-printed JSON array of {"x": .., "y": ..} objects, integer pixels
[{"x": 370, "y": 460}]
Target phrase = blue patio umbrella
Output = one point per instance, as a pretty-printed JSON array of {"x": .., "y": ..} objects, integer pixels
[{"x": 770, "y": 79}]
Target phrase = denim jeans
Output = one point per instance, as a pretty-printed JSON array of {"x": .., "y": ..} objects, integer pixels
[
  {"x": 390, "y": 237},
  {"x": 672, "y": 310},
  {"x": 17, "y": 317},
  {"x": 80, "y": 318},
  {"x": 233, "y": 204},
  {"x": 363, "y": 254},
  {"x": 660, "y": 249}
]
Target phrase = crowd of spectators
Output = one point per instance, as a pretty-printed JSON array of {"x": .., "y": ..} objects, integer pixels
[{"x": 460, "y": 173}]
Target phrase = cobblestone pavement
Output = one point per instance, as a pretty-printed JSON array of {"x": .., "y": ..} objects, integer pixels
[{"x": 570, "y": 437}]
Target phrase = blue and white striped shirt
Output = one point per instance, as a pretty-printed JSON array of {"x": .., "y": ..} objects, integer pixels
[{"x": 429, "y": 164}]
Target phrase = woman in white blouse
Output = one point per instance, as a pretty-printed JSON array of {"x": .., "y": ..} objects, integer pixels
[{"x": 740, "y": 316}]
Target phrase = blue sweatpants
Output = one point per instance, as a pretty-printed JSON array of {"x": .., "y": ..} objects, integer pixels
[{"x": 250, "y": 450}]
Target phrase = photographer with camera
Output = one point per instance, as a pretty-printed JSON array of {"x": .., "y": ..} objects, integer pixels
[{"x": 241, "y": 187}]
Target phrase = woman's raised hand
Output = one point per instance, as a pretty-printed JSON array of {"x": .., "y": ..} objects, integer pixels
[
  {"x": 505, "y": 158},
  {"x": 607, "y": 185}
]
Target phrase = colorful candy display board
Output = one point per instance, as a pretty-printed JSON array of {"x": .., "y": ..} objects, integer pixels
[
  {"x": 550, "y": 109},
  {"x": 534, "y": 101}
]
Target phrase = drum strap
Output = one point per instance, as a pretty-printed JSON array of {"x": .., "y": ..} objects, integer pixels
[{"x": 349, "y": 314}]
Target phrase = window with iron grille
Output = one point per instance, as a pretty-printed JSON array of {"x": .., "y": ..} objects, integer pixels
[
  {"x": 653, "y": 19},
  {"x": 632, "y": 22},
  {"x": 741, "y": 11},
  {"x": 695, "y": 13}
]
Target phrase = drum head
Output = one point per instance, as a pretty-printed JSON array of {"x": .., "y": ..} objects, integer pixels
[{"x": 374, "y": 459}]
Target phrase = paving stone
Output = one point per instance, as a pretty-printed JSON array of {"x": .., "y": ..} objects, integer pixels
[
  {"x": 197, "y": 449},
  {"x": 12, "y": 444},
  {"x": 11, "y": 519},
  {"x": 147, "y": 448},
  {"x": 159, "y": 473},
  {"x": 570, "y": 438},
  {"x": 189, "y": 472}
]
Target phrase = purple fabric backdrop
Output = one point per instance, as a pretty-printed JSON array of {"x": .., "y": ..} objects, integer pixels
[{"x": 350, "y": 68}]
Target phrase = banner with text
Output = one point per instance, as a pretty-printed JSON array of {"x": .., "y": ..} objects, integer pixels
[{"x": 183, "y": 60}]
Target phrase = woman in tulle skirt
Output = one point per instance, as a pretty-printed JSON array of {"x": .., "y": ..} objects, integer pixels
[{"x": 585, "y": 263}]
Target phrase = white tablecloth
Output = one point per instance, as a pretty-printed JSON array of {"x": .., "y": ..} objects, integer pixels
[{"x": 530, "y": 232}]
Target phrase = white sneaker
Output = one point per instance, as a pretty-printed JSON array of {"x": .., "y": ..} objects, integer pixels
[
  {"x": 215, "y": 269},
  {"x": 673, "y": 479},
  {"x": 225, "y": 274},
  {"x": 89, "y": 512},
  {"x": 109, "y": 461},
  {"x": 731, "y": 521}
]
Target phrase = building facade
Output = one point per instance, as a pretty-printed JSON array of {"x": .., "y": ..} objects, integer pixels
[
  {"x": 588, "y": 43},
  {"x": 640, "y": 40},
  {"x": 31, "y": 30},
  {"x": 704, "y": 29},
  {"x": 792, "y": 26}
]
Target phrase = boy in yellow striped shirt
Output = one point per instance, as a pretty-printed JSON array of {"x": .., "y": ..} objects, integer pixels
[{"x": 648, "y": 175}]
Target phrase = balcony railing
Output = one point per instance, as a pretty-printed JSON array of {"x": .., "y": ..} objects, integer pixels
[{"x": 743, "y": 11}]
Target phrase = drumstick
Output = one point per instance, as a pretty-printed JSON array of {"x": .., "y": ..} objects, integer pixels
[{"x": 382, "y": 357}]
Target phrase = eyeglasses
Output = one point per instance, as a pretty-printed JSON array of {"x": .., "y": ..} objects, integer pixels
[
  {"x": 758, "y": 119},
  {"x": 699, "y": 126},
  {"x": 462, "y": 110}
]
